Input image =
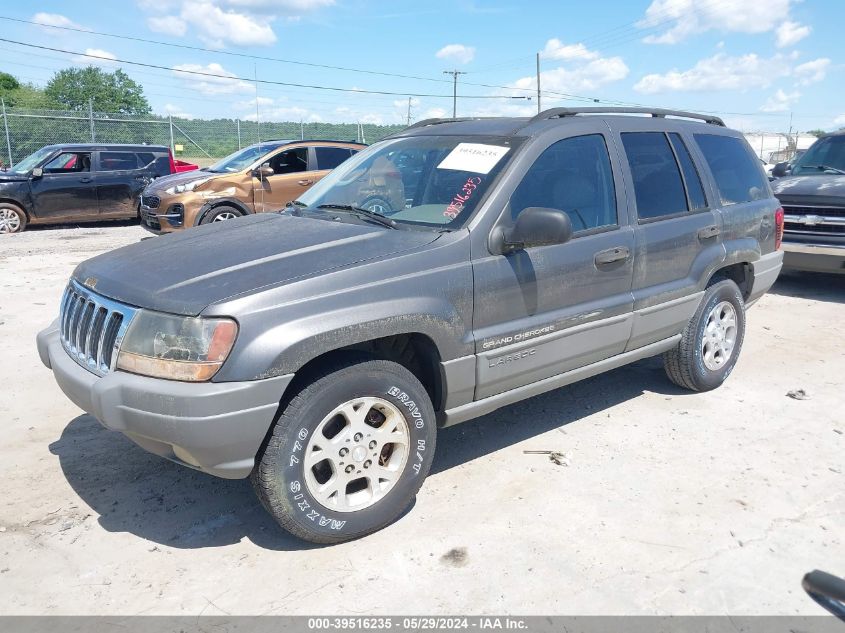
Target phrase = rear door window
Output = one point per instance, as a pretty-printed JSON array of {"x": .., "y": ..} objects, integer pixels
[
  {"x": 737, "y": 172},
  {"x": 118, "y": 161},
  {"x": 572, "y": 175},
  {"x": 692, "y": 180},
  {"x": 331, "y": 157},
  {"x": 658, "y": 186}
]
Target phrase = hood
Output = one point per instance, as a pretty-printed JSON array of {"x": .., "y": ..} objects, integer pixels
[
  {"x": 822, "y": 188},
  {"x": 184, "y": 272},
  {"x": 180, "y": 178},
  {"x": 7, "y": 176}
]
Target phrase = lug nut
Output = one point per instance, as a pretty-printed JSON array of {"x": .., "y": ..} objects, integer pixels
[
  {"x": 350, "y": 468},
  {"x": 358, "y": 437},
  {"x": 344, "y": 452}
]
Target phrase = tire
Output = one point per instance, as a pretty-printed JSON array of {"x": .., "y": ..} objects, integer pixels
[
  {"x": 221, "y": 214},
  {"x": 379, "y": 205},
  {"x": 12, "y": 218},
  {"x": 297, "y": 491},
  {"x": 700, "y": 361}
]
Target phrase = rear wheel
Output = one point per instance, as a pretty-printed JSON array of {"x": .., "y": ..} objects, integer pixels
[
  {"x": 710, "y": 344},
  {"x": 12, "y": 218},
  {"x": 349, "y": 452},
  {"x": 221, "y": 214}
]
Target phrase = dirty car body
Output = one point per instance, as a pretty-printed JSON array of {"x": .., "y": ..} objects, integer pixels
[{"x": 506, "y": 261}]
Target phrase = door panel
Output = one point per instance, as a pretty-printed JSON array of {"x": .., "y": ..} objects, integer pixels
[
  {"x": 290, "y": 180},
  {"x": 542, "y": 311},
  {"x": 66, "y": 190},
  {"x": 119, "y": 183}
]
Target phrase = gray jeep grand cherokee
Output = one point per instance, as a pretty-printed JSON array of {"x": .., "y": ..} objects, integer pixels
[{"x": 319, "y": 351}]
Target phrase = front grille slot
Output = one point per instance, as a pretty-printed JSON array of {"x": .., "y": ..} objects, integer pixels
[
  {"x": 151, "y": 202},
  {"x": 91, "y": 327},
  {"x": 814, "y": 220}
]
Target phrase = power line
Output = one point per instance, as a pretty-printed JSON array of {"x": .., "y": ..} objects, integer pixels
[{"x": 237, "y": 78}]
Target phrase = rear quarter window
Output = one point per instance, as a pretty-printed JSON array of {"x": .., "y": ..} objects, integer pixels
[
  {"x": 331, "y": 157},
  {"x": 737, "y": 172}
]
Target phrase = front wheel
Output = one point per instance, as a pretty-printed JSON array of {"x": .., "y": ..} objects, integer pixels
[
  {"x": 221, "y": 214},
  {"x": 12, "y": 218},
  {"x": 710, "y": 344},
  {"x": 349, "y": 452}
]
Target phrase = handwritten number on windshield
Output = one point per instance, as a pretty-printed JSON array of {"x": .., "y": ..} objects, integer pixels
[{"x": 457, "y": 205}]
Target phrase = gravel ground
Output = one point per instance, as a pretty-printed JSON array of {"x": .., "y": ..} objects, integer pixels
[{"x": 671, "y": 503}]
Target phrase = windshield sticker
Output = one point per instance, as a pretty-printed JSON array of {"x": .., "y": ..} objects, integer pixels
[
  {"x": 473, "y": 157},
  {"x": 457, "y": 205}
]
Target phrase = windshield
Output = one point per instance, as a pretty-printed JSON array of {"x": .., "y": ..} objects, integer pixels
[
  {"x": 31, "y": 161},
  {"x": 827, "y": 152},
  {"x": 243, "y": 158},
  {"x": 432, "y": 181}
]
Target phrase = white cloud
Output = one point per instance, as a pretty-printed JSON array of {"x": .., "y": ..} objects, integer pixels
[
  {"x": 790, "y": 33},
  {"x": 577, "y": 78},
  {"x": 223, "y": 81},
  {"x": 176, "y": 111},
  {"x": 840, "y": 120},
  {"x": 456, "y": 52},
  {"x": 780, "y": 101},
  {"x": 811, "y": 72},
  {"x": 679, "y": 19},
  {"x": 719, "y": 72},
  {"x": 97, "y": 57},
  {"x": 55, "y": 19},
  {"x": 221, "y": 23},
  {"x": 555, "y": 49},
  {"x": 168, "y": 24}
]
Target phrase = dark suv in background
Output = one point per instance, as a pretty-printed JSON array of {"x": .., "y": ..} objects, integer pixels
[
  {"x": 79, "y": 183},
  {"x": 813, "y": 198}
]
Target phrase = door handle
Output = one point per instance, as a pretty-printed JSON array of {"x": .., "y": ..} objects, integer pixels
[
  {"x": 305, "y": 183},
  {"x": 85, "y": 179},
  {"x": 612, "y": 255},
  {"x": 708, "y": 232}
]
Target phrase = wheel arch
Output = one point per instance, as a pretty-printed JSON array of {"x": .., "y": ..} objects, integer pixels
[
  {"x": 19, "y": 205},
  {"x": 208, "y": 207}
]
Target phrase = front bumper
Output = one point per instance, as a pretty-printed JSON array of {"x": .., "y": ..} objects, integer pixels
[
  {"x": 217, "y": 428},
  {"x": 820, "y": 258}
]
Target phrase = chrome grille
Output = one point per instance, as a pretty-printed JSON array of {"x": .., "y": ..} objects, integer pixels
[
  {"x": 810, "y": 220},
  {"x": 92, "y": 327}
]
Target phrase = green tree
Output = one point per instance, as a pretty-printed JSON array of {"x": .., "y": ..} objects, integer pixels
[
  {"x": 16, "y": 94},
  {"x": 817, "y": 133},
  {"x": 8, "y": 83},
  {"x": 72, "y": 88}
]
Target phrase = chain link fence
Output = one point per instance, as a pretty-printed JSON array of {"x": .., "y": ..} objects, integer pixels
[{"x": 195, "y": 140}]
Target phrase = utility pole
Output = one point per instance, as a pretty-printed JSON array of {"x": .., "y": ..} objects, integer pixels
[
  {"x": 409, "y": 111},
  {"x": 454, "y": 74},
  {"x": 538, "y": 83}
]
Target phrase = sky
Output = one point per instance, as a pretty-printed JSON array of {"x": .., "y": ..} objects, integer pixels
[{"x": 759, "y": 64}]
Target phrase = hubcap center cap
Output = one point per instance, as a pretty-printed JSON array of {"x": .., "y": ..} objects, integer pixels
[{"x": 359, "y": 453}]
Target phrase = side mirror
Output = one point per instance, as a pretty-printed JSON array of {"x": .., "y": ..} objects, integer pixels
[
  {"x": 534, "y": 226},
  {"x": 780, "y": 170},
  {"x": 37, "y": 172},
  {"x": 265, "y": 171}
]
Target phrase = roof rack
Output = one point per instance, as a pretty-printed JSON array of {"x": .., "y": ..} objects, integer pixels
[
  {"x": 427, "y": 122},
  {"x": 555, "y": 113}
]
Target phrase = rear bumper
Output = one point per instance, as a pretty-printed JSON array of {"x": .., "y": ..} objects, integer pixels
[
  {"x": 822, "y": 258},
  {"x": 766, "y": 271},
  {"x": 213, "y": 427}
]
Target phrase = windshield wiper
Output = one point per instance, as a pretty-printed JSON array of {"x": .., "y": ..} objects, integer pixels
[
  {"x": 358, "y": 212},
  {"x": 823, "y": 168}
]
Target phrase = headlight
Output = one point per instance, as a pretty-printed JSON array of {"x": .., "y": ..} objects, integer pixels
[
  {"x": 190, "y": 186},
  {"x": 176, "y": 348}
]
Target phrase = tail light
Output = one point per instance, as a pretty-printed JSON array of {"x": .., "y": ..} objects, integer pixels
[
  {"x": 778, "y": 227},
  {"x": 173, "y": 166}
]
